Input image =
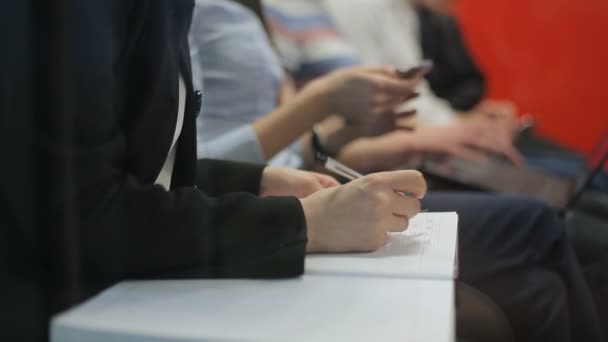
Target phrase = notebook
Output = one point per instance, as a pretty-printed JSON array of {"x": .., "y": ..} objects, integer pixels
[{"x": 426, "y": 250}]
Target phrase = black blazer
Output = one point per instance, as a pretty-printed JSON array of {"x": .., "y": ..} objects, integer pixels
[
  {"x": 455, "y": 76},
  {"x": 211, "y": 223},
  {"x": 126, "y": 59}
]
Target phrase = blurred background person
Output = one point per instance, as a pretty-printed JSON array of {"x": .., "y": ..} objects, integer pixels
[
  {"x": 310, "y": 45},
  {"x": 232, "y": 46},
  {"x": 105, "y": 186},
  {"x": 252, "y": 111},
  {"x": 404, "y": 32},
  {"x": 386, "y": 29}
]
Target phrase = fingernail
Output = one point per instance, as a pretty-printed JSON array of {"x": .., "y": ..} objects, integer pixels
[
  {"x": 406, "y": 128},
  {"x": 406, "y": 114}
]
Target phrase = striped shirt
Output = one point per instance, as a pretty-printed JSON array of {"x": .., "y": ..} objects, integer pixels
[
  {"x": 306, "y": 38},
  {"x": 315, "y": 37}
]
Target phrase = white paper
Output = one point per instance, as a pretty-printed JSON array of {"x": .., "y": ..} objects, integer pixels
[
  {"x": 426, "y": 250},
  {"x": 310, "y": 308}
]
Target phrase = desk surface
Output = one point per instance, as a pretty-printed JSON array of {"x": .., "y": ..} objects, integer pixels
[{"x": 310, "y": 308}]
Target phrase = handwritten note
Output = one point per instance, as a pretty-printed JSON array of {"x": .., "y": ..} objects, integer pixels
[{"x": 427, "y": 249}]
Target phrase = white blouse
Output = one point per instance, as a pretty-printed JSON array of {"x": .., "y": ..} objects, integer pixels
[{"x": 164, "y": 177}]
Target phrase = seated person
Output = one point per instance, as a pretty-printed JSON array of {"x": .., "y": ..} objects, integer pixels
[
  {"x": 404, "y": 32},
  {"x": 457, "y": 79},
  {"x": 238, "y": 135},
  {"x": 142, "y": 206},
  {"x": 257, "y": 130},
  {"x": 463, "y": 138},
  {"x": 513, "y": 249}
]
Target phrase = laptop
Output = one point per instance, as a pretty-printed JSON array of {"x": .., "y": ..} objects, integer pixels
[{"x": 499, "y": 176}]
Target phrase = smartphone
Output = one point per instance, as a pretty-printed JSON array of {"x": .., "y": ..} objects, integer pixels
[{"x": 423, "y": 68}]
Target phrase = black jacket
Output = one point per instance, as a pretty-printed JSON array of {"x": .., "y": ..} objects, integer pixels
[
  {"x": 127, "y": 96},
  {"x": 125, "y": 61},
  {"x": 455, "y": 76}
]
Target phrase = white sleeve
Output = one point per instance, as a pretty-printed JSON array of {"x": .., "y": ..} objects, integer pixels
[
  {"x": 289, "y": 157},
  {"x": 240, "y": 144}
]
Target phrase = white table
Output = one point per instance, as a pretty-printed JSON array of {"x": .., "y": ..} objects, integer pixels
[{"x": 310, "y": 308}]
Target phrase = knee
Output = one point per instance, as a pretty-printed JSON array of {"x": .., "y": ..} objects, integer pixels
[
  {"x": 545, "y": 305},
  {"x": 535, "y": 301},
  {"x": 551, "y": 292},
  {"x": 536, "y": 219},
  {"x": 478, "y": 318},
  {"x": 529, "y": 207}
]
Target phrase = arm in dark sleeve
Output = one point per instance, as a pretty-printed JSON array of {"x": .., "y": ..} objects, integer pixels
[
  {"x": 134, "y": 230},
  {"x": 467, "y": 95},
  {"x": 469, "y": 86},
  {"x": 130, "y": 228},
  {"x": 216, "y": 177},
  {"x": 456, "y": 77}
]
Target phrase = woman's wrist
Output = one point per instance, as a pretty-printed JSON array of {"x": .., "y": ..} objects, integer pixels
[
  {"x": 315, "y": 94},
  {"x": 329, "y": 134},
  {"x": 380, "y": 153}
]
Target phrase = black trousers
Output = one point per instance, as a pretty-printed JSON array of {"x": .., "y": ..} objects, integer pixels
[{"x": 515, "y": 250}]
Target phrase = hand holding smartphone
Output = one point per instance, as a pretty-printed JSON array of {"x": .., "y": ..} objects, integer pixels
[{"x": 419, "y": 70}]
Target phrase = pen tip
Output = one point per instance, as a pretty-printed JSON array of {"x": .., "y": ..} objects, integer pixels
[{"x": 320, "y": 157}]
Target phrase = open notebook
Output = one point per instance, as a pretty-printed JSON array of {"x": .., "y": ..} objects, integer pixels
[
  {"x": 402, "y": 292},
  {"x": 426, "y": 250}
]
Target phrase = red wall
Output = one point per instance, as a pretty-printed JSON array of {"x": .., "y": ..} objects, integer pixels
[{"x": 550, "y": 57}]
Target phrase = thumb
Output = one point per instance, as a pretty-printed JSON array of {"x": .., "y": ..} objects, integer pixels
[
  {"x": 385, "y": 70},
  {"x": 410, "y": 182},
  {"x": 325, "y": 180}
]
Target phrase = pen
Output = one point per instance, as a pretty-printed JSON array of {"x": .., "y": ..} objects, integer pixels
[
  {"x": 342, "y": 170},
  {"x": 337, "y": 167}
]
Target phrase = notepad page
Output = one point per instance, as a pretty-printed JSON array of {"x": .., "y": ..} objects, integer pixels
[{"x": 426, "y": 250}]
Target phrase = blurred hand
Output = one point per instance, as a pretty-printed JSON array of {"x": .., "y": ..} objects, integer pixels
[
  {"x": 502, "y": 112},
  {"x": 362, "y": 94},
  {"x": 471, "y": 140},
  {"x": 381, "y": 153},
  {"x": 356, "y": 217},
  {"x": 279, "y": 181}
]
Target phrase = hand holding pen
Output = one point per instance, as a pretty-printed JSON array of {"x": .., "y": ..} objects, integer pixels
[
  {"x": 357, "y": 216},
  {"x": 342, "y": 170}
]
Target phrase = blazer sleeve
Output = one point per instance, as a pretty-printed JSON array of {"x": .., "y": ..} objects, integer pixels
[
  {"x": 455, "y": 77},
  {"x": 217, "y": 177},
  {"x": 128, "y": 227},
  {"x": 469, "y": 83}
]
